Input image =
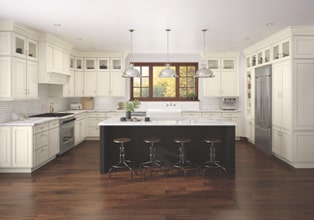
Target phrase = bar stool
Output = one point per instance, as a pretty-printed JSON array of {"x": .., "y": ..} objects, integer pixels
[
  {"x": 183, "y": 163},
  {"x": 152, "y": 163},
  {"x": 212, "y": 163},
  {"x": 123, "y": 163}
]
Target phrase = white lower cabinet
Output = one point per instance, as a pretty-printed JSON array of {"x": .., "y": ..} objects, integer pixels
[
  {"x": 80, "y": 128},
  {"x": 93, "y": 120},
  {"x": 54, "y": 138},
  {"x": 26, "y": 148},
  {"x": 281, "y": 144}
]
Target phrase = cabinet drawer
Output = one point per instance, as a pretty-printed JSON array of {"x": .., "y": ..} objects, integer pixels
[
  {"x": 40, "y": 155},
  {"x": 40, "y": 128},
  {"x": 191, "y": 114},
  {"x": 53, "y": 124},
  {"x": 229, "y": 115},
  {"x": 97, "y": 115},
  {"x": 93, "y": 122},
  {"x": 211, "y": 114},
  {"x": 40, "y": 139}
]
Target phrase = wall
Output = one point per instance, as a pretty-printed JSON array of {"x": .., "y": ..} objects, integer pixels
[{"x": 9, "y": 110}]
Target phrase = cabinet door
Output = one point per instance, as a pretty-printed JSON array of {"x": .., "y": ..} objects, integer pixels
[
  {"x": 103, "y": 83},
  {"x": 77, "y": 132},
  {"x": 32, "y": 79},
  {"x": 19, "y": 89},
  {"x": 5, "y": 43},
  {"x": 286, "y": 149},
  {"x": 32, "y": 50},
  {"x": 287, "y": 96},
  {"x": 212, "y": 85},
  {"x": 54, "y": 142},
  {"x": 229, "y": 83},
  {"x": 117, "y": 84},
  {"x": 90, "y": 83},
  {"x": 5, "y": 77},
  {"x": 5, "y": 147},
  {"x": 79, "y": 83},
  {"x": 19, "y": 45},
  {"x": 84, "y": 128},
  {"x": 277, "y": 94},
  {"x": 276, "y": 141},
  {"x": 22, "y": 146}
]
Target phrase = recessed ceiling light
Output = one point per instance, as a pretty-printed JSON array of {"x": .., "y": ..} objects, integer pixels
[
  {"x": 269, "y": 24},
  {"x": 79, "y": 38},
  {"x": 247, "y": 38},
  {"x": 57, "y": 25}
]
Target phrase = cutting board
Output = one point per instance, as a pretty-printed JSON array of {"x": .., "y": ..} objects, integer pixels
[{"x": 87, "y": 103}]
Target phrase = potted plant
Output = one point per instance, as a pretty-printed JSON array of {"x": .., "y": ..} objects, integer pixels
[
  {"x": 192, "y": 96},
  {"x": 130, "y": 107}
]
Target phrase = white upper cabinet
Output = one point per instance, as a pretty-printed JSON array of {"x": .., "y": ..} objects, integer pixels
[
  {"x": 225, "y": 82},
  {"x": 281, "y": 50},
  {"x": 5, "y": 43},
  {"x": 103, "y": 64},
  {"x": 90, "y": 64},
  {"x": 116, "y": 64}
]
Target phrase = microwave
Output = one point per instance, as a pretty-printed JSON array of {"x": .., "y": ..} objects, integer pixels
[{"x": 229, "y": 103}]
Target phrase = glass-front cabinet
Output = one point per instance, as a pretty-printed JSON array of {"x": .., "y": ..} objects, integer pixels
[
  {"x": 228, "y": 64},
  {"x": 90, "y": 64},
  {"x": 213, "y": 63},
  {"x": 116, "y": 64},
  {"x": 281, "y": 50},
  {"x": 24, "y": 47},
  {"x": 78, "y": 63},
  {"x": 103, "y": 64}
]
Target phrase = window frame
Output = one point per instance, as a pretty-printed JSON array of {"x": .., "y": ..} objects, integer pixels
[{"x": 177, "y": 67}]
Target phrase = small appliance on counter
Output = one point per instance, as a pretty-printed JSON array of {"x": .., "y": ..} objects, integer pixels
[
  {"x": 229, "y": 103},
  {"x": 75, "y": 106}
]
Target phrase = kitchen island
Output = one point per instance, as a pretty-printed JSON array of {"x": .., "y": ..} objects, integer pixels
[{"x": 167, "y": 151}]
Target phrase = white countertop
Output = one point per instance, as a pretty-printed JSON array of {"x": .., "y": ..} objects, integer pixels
[
  {"x": 29, "y": 121},
  {"x": 167, "y": 122}
]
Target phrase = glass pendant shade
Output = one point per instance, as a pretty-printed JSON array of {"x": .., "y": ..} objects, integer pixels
[
  {"x": 204, "y": 72},
  {"x": 167, "y": 72},
  {"x": 131, "y": 71}
]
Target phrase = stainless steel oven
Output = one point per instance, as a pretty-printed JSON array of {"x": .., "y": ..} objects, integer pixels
[
  {"x": 66, "y": 134},
  {"x": 66, "y": 121}
]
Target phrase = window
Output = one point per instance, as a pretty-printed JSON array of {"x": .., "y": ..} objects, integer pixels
[{"x": 152, "y": 88}]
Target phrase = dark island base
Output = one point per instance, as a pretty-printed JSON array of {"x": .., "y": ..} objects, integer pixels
[{"x": 167, "y": 151}]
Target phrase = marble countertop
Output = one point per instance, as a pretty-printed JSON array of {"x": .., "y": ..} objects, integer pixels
[
  {"x": 167, "y": 122},
  {"x": 29, "y": 121}
]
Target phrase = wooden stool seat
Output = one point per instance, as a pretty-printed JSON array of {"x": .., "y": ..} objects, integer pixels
[
  {"x": 121, "y": 140},
  {"x": 182, "y": 140},
  {"x": 152, "y": 140},
  {"x": 212, "y": 140}
]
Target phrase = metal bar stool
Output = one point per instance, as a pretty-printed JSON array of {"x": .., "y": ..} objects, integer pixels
[
  {"x": 212, "y": 163},
  {"x": 183, "y": 163},
  {"x": 123, "y": 163},
  {"x": 152, "y": 163}
]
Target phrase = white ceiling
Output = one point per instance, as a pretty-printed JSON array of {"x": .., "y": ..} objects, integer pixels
[{"x": 103, "y": 24}]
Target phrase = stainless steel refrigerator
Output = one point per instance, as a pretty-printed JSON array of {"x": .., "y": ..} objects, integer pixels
[{"x": 263, "y": 108}]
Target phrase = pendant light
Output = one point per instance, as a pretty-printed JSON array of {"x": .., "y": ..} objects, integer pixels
[
  {"x": 167, "y": 72},
  {"x": 131, "y": 71},
  {"x": 204, "y": 72}
]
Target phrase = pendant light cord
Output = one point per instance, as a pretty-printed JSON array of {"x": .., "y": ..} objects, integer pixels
[
  {"x": 131, "y": 56},
  {"x": 204, "y": 31},
  {"x": 167, "y": 56}
]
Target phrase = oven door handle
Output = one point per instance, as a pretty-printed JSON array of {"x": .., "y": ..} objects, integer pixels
[{"x": 68, "y": 121}]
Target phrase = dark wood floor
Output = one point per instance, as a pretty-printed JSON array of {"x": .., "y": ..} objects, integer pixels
[{"x": 71, "y": 187}]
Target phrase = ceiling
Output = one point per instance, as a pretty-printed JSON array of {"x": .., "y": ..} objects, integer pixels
[{"x": 102, "y": 25}]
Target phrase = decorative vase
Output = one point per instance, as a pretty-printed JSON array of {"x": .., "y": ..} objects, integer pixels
[{"x": 128, "y": 115}]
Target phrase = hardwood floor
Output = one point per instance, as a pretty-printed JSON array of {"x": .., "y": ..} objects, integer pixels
[{"x": 71, "y": 187}]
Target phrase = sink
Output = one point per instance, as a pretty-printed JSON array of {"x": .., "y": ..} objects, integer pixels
[{"x": 164, "y": 113}]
